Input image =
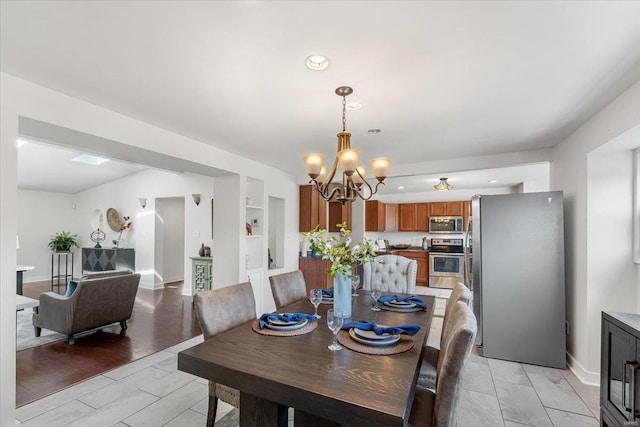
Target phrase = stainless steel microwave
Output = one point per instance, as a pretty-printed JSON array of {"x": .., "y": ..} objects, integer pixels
[{"x": 445, "y": 224}]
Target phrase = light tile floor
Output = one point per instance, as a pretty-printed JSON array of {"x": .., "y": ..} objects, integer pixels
[{"x": 152, "y": 392}]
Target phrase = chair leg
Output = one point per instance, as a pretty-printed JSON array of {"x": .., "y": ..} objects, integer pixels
[
  {"x": 123, "y": 324},
  {"x": 37, "y": 330},
  {"x": 211, "y": 412},
  {"x": 71, "y": 340}
]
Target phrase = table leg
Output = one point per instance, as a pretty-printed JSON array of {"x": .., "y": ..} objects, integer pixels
[
  {"x": 259, "y": 412},
  {"x": 304, "y": 419},
  {"x": 19, "y": 282}
]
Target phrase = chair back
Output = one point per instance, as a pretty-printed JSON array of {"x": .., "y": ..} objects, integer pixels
[
  {"x": 288, "y": 288},
  {"x": 393, "y": 273},
  {"x": 222, "y": 309},
  {"x": 453, "y": 354},
  {"x": 459, "y": 293}
]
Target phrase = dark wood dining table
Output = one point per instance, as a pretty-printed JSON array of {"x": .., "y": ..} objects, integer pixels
[{"x": 326, "y": 388}]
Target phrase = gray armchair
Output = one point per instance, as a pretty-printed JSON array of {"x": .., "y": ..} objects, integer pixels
[
  {"x": 96, "y": 302},
  {"x": 288, "y": 288},
  {"x": 427, "y": 378},
  {"x": 217, "y": 311},
  {"x": 439, "y": 409},
  {"x": 393, "y": 273}
]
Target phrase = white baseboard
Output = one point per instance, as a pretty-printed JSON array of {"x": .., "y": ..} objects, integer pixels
[
  {"x": 586, "y": 377},
  {"x": 152, "y": 286},
  {"x": 174, "y": 279}
]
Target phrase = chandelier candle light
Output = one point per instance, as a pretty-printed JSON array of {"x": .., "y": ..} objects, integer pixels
[{"x": 354, "y": 183}]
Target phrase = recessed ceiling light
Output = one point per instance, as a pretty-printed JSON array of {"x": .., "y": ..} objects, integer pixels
[
  {"x": 400, "y": 187},
  {"x": 317, "y": 62},
  {"x": 374, "y": 131},
  {"x": 89, "y": 159},
  {"x": 21, "y": 142},
  {"x": 354, "y": 106},
  {"x": 493, "y": 181}
]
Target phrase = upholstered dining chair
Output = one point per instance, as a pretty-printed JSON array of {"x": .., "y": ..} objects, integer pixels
[
  {"x": 394, "y": 273},
  {"x": 287, "y": 288},
  {"x": 217, "y": 311},
  {"x": 438, "y": 409},
  {"x": 427, "y": 377}
]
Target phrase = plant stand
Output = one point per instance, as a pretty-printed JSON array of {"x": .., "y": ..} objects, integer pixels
[{"x": 57, "y": 260}]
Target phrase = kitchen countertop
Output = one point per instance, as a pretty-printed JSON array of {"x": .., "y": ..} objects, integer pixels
[{"x": 409, "y": 249}]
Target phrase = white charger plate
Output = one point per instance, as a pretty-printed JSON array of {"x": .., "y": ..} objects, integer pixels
[
  {"x": 293, "y": 327},
  {"x": 373, "y": 343},
  {"x": 400, "y": 305},
  {"x": 371, "y": 335}
]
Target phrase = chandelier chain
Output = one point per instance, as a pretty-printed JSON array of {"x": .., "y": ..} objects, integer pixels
[{"x": 344, "y": 114}]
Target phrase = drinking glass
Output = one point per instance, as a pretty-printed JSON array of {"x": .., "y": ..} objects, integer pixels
[
  {"x": 315, "y": 296},
  {"x": 355, "y": 282},
  {"x": 335, "y": 320},
  {"x": 376, "y": 292}
]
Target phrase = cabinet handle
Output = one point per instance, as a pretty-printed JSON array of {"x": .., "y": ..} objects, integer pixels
[
  {"x": 632, "y": 385},
  {"x": 624, "y": 386}
]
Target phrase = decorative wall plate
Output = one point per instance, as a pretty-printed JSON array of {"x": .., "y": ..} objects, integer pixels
[
  {"x": 97, "y": 220},
  {"x": 113, "y": 219}
]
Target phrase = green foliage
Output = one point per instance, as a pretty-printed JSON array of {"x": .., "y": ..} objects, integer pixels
[
  {"x": 63, "y": 241},
  {"x": 337, "y": 249}
]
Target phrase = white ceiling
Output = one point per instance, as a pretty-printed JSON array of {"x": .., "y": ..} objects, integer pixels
[{"x": 442, "y": 80}]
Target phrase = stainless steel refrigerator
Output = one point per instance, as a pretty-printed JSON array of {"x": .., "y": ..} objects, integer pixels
[{"x": 517, "y": 277}]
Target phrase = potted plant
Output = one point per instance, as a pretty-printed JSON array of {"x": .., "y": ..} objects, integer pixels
[{"x": 62, "y": 242}]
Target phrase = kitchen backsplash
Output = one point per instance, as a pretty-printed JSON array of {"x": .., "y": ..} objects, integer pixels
[{"x": 407, "y": 237}]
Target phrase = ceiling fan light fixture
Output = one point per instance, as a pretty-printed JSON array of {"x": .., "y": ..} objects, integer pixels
[{"x": 443, "y": 185}]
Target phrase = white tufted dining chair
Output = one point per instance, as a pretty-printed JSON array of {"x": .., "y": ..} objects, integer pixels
[{"x": 393, "y": 272}]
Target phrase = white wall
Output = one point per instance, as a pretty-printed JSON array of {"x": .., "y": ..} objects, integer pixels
[
  {"x": 40, "y": 215},
  {"x": 570, "y": 173},
  {"x": 21, "y": 98},
  {"x": 174, "y": 238}
]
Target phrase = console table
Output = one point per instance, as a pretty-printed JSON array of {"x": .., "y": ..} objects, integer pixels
[
  {"x": 201, "y": 274},
  {"x": 103, "y": 259}
]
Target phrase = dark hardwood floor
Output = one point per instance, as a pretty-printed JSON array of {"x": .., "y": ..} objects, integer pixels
[{"x": 160, "y": 319}]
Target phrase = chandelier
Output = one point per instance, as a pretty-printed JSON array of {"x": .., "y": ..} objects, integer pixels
[
  {"x": 354, "y": 183},
  {"x": 443, "y": 185}
]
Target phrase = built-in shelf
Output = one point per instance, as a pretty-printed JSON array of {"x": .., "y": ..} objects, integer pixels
[
  {"x": 254, "y": 207},
  {"x": 253, "y": 236}
]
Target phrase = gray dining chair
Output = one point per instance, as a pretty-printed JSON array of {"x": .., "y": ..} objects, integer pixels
[
  {"x": 427, "y": 377},
  {"x": 438, "y": 409},
  {"x": 288, "y": 288},
  {"x": 393, "y": 273},
  {"x": 217, "y": 311}
]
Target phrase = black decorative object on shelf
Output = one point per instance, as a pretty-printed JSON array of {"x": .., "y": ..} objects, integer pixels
[{"x": 98, "y": 237}]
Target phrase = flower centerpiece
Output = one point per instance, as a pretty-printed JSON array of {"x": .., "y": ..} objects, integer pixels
[
  {"x": 343, "y": 257},
  {"x": 124, "y": 225}
]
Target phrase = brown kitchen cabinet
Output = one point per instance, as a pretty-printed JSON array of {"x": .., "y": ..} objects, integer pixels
[
  {"x": 339, "y": 213},
  {"x": 422, "y": 257},
  {"x": 466, "y": 213},
  {"x": 446, "y": 208},
  {"x": 315, "y": 273},
  {"x": 407, "y": 217},
  {"x": 313, "y": 209},
  {"x": 413, "y": 217},
  {"x": 375, "y": 216},
  {"x": 391, "y": 217}
]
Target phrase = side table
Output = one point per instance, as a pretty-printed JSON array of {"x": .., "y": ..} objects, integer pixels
[{"x": 57, "y": 260}]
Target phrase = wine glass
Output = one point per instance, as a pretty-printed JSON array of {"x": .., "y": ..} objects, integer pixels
[
  {"x": 335, "y": 320},
  {"x": 355, "y": 282},
  {"x": 376, "y": 292},
  {"x": 315, "y": 296}
]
